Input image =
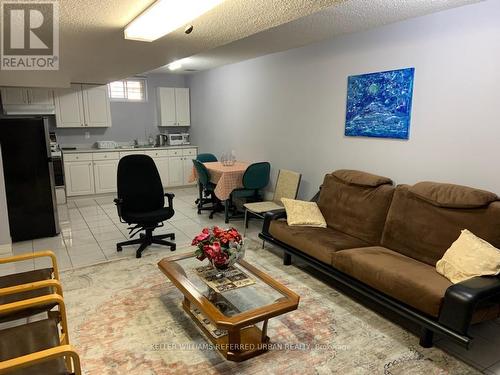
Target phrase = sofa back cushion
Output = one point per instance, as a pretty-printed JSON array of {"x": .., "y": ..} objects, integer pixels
[
  {"x": 425, "y": 219},
  {"x": 356, "y": 203}
]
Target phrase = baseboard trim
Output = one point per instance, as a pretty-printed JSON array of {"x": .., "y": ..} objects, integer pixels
[{"x": 6, "y": 250}]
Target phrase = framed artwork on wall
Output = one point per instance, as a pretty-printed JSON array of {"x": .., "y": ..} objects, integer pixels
[{"x": 379, "y": 104}]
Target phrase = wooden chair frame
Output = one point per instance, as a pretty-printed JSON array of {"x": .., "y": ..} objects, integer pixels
[
  {"x": 64, "y": 349},
  {"x": 38, "y": 254}
]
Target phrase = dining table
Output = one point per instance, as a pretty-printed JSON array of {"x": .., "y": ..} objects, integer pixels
[{"x": 226, "y": 179}]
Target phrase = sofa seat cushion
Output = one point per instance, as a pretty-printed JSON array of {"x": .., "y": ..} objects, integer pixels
[
  {"x": 412, "y": 282},
  {"x": 319, "y": 243}
]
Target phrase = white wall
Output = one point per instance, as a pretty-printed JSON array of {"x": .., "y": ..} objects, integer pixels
[{"x": 289, "y": 107}]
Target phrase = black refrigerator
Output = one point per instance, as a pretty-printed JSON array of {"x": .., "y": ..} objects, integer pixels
[{"x": 29, "y": 177}]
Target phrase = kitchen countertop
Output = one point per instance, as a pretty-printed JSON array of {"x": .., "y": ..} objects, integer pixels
[{"x": 125, "y": 149}]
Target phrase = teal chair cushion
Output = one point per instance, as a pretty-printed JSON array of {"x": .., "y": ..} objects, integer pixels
[{"x": 206, "y": 158}]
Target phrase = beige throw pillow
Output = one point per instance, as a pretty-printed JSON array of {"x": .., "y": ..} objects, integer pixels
[
  {"x": 469, "y": 256},
  {"x": 301, "y": 213}
]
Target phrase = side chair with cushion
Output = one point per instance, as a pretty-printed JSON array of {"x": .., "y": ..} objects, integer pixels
[
  {"x": 39, "y": 347},
  {"x": 287, "y": 186},
  {"x": 30, "y": 284},
  {"x": 207, "y": 194},
  {"x": 141, "y": 202},
  {"x": 255, "y": 178}
]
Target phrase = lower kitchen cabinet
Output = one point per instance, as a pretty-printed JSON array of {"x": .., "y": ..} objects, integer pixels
[
  {"x": 95, "y": 172},
  {"x": 79, "y": 176},
  {"x": 175, "y": 171},
  {"x": 162, "y": 165},
  {"x": 105, "y": 176},
  {"x": 188, "y": 169}
]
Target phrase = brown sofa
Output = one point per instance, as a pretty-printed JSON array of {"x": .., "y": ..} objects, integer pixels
[{"x": 384, "y": 242}]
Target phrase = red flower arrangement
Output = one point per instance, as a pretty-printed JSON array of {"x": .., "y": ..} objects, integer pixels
[{"x": 222, "y": 247}]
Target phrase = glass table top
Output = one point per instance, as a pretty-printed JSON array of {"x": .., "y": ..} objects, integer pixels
[{"x": 229, "y": 301}]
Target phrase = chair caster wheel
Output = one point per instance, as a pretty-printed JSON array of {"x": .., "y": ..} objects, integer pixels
[
  {"x": 173, "y": 248},
  {"x": 119, "y": 248}
]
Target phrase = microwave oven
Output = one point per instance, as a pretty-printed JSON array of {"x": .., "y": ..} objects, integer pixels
[{"x": 175, "y": 139}]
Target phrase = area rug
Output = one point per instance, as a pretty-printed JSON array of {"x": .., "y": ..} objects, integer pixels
[{"x": 126, "y": 318}]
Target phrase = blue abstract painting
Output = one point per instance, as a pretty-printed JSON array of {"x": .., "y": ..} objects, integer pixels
[{"x": 379, "y": 104}]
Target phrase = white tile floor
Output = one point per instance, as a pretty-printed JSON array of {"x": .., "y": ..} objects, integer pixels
[{"x": 90, "y": 229}]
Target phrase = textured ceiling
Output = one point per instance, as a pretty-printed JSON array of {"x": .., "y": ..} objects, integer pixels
[
  {"x": 93, "y": 50},
  {"x": 346, "y": 17}
]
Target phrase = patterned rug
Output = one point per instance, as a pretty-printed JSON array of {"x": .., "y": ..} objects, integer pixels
[{"x": 126, "y": 318}]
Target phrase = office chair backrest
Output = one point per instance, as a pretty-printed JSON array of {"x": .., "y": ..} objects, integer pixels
[
  {"x": 287, "y": 185},
  {"x": 206, "y": 158},
  {"x": 257, "y": 176},
  {"x": 202, "y": 172},
  {"x": 139, "y": 184}
]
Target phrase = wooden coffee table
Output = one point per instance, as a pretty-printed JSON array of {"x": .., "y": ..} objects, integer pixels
[{"x": 230, "y": 319}]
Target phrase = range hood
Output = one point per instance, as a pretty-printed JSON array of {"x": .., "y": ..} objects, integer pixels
[{"x": 29, "y": 109}]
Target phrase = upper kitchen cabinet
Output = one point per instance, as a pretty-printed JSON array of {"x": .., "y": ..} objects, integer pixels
[
  {"x": 96, "y": 106},
  {"x": 82, "y": 106},
  {"x": 69, "y": 107},
  {"x": 173, "y": 106},
  {"x": 27, "y": 96}
]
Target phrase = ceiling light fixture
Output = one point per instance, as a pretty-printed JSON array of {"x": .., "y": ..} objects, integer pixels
[
  {"x": 165, "y": 16},
  {"x": 175, "y": 65}
]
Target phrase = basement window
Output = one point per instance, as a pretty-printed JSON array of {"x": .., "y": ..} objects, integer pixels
[{"x": 128, "y": 90}]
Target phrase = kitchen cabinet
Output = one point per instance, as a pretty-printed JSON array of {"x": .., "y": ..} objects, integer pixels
[
  {"x": 39, "y": 96},
  {"x": 79, "y": 177},
  {"x": 96, "y": 106},
  {"x": 181, "y": 167},
  {"x": 173, "y": 106},
  {"x": 88, "y": 173},
  {"x": 69, "y": 107},
  {"x": 27, "y": 96},
  {"x": 160, "y": 157},
  {"x": 175, "y": 171},
  {"x": 82, "y": 106},
  {"x": 105, "y": 176},
  {"x": 162, "y": 165}
]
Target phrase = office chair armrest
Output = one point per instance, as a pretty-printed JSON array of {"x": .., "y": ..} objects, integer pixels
[
  {"x": 170, "y": 197},
  {"x": 118, "y": 203}
]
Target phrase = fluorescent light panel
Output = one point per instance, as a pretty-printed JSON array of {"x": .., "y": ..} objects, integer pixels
[
  {"x": 165, "y": 16},
  {"x": 175, "y": 65}
]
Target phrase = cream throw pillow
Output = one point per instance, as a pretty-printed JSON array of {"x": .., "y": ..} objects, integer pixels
[
  {"x": 301, "y": 213},
  {"x": 469, "y": 256}
]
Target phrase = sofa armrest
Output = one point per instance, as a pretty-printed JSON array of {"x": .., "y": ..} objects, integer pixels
[
  {"x": 461, "y": 299},
  {"x": 270, "y": 216}
]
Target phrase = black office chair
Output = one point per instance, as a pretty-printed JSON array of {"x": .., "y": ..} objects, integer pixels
[{"x": 140, "y": 202}]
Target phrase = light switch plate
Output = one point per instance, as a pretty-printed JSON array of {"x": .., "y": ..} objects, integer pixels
[{"x": 87, "y": 135}]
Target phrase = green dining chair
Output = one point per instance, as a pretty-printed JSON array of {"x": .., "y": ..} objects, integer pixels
[
  {"x": 206, "y": 158},
  {"x": 207, "y": 188},
  {"x": 255, "y": 178}
]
